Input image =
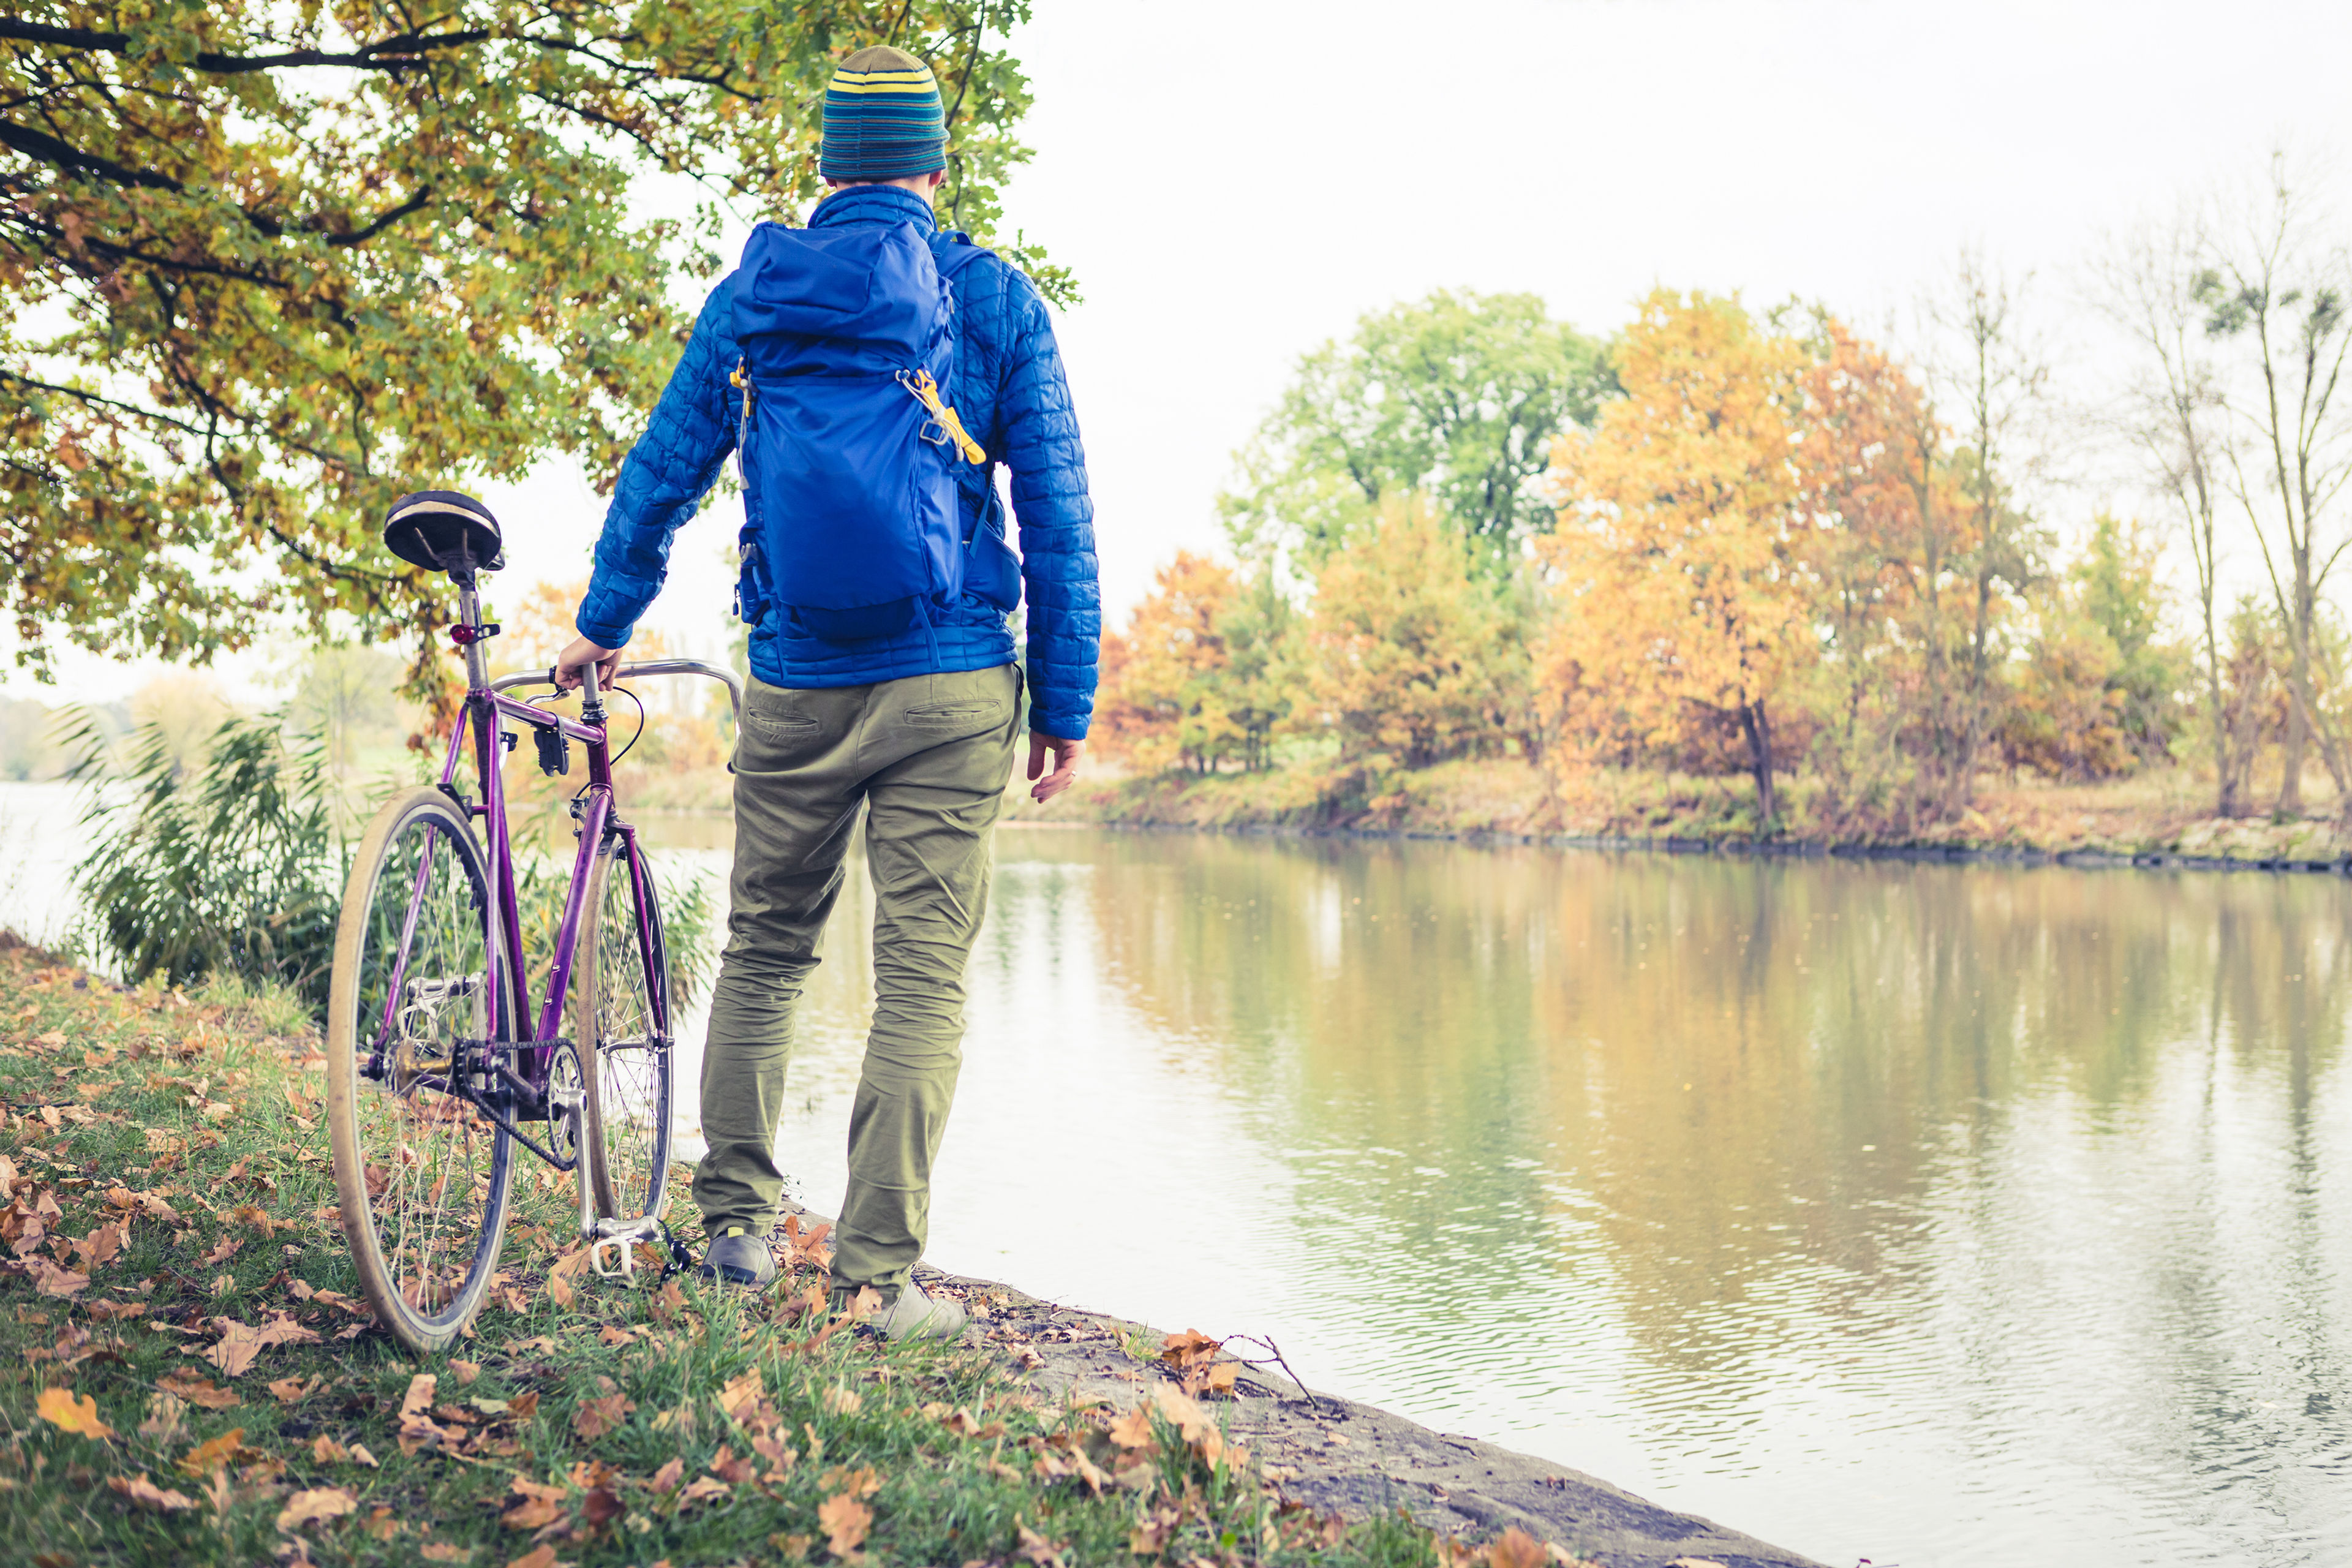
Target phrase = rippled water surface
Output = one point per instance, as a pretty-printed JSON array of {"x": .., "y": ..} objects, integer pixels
[{"x": 1936, "y": 1216}]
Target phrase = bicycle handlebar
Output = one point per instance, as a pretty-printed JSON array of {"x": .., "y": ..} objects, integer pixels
[{"x": 726, "y": 678}]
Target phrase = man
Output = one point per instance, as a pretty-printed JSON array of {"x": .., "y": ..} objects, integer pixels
[{"x": 918, "y": 725}]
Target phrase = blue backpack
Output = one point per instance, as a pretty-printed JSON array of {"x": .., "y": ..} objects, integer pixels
[{"x": 847, "y": 450}]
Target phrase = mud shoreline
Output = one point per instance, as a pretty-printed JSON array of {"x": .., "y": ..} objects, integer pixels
[
  {"x": 1741, "y": 848},
  {"x": 1333, "y": 1454}
]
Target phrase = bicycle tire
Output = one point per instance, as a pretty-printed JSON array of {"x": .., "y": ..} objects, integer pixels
[
  {"x": 622, "y": 1020},
  {"x": 419, "y": 891}
]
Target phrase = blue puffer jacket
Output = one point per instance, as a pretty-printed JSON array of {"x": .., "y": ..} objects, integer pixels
[{"x": 1009, "y": 389}]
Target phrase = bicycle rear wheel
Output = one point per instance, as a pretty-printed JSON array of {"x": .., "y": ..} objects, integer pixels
[
  {"x": 423, "y": 1175},
  {"x": 621, "y": 1018}
]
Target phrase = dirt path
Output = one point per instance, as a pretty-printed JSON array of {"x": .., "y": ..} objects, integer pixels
[{"x": 1333, "y": 1454}]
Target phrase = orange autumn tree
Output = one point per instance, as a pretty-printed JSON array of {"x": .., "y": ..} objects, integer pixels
[
  {"x": 682, "y": 716},
  {"x": 1162, "y": 700},
  {"x": 1679, "y": 554},
  {"x": 1887, "y": 527}
]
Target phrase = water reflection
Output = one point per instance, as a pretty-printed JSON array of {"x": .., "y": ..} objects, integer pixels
[{"x": 1936, "y": 1216}]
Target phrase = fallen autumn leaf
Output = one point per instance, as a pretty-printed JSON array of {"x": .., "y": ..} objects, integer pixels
[
  {"x": 315, "y": 1506},
  {"x": 845, "y": 1521},
  {"x": 147, "y": 1494},
  {"x": 67, "y": 1411}
]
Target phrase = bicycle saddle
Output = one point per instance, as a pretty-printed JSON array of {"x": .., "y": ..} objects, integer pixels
[{"x": 443, "y": 531}]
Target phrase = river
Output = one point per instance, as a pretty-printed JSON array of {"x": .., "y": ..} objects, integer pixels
[{"x": 1936, "y": 1216}]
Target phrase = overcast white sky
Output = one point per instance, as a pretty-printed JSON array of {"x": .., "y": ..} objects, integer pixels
[{"x": 1234, "y": 182}]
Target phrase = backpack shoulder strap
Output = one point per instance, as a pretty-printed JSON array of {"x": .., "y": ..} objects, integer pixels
[{"x": 959, "y": 252}]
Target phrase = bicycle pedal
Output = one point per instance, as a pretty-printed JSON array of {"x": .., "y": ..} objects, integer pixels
[{"x": 624, "y": 1266}]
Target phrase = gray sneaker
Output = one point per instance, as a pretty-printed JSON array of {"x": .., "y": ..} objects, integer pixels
[
  {"x": 739, "y": 1258},
  {"x": 915, "y": 1316}
]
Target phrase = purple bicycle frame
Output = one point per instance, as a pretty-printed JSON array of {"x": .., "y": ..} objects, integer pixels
[
  {"x": 483, "y": 716},
  {"x": 484, "y": 719}
]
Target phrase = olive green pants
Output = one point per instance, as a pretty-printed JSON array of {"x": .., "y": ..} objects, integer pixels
[{"x": 928, "y": 757}]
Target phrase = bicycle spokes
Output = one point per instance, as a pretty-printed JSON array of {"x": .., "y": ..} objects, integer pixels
[
  {"x": 424, "y": 1170},
  {"x": 623, "y": 991}
]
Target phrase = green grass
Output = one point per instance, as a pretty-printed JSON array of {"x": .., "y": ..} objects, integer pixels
[{"x": 639, "y": 1424}]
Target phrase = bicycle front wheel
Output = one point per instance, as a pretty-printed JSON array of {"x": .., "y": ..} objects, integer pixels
[
  {"x": 621, "y": 1018},
  {"x": 422, "y": 1173}
]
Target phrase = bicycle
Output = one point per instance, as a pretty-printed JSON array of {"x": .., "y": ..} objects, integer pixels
[{"x": 436, "y": 1069}]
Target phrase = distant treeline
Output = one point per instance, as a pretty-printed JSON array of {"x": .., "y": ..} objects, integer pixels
[{"x": 1759, "y": 545}]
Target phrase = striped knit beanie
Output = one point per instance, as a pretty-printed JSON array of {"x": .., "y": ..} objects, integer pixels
[{"x": 882, "y": 118}]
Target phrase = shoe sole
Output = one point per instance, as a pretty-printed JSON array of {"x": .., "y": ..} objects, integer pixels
[{"x": 729, "y": 1275}]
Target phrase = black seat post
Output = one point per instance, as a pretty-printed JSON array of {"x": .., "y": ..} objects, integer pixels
[{"x": 469, "y": 616}]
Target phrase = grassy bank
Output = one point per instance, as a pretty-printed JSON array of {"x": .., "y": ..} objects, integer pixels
[
  {"x": 188, "y": 1378},
  {"x": 2167, "y": 811}
]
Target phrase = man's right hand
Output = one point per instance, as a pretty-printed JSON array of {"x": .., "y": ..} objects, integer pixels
[
  {"x": 1065, "y": 764},
  {"x": 569, "y": 663}
]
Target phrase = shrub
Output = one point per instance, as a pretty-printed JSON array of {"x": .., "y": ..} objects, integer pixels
[
  {"x": 226, "y": 864},
  {"x": 229, "y": 867}
]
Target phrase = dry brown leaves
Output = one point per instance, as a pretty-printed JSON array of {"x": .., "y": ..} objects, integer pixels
[
  {"x": 741, "y": 1391},
  {"x": 1037, "y": 1548},
  {"x": 844, "y": 1521},
  {"x": 218, "y": 1453},
  {"x": 261, "y": 1220},
  {"x": 1194, "y": 1427},
  {"x": 539, "y": 1505},
  {"x": 808, "y": 1246},
  {"x": 1194, "y": 1354},
  {"x": 702, "y": 1488},
  {"x": 594, "y": 1417},
  {"x": 415, "y": 1428},
  {"x": 148, "y": 1495},
  {"x": 599, "y": 1506},
  {"x": 315, "y": 1505},
  {"x": 1132, "y": 1430},
  {"x": 566, "y": 1268},
  {"x": 241, "y": 1343},
  {"x": 1514, "y": 1548},
  {"x": 1060, "y": 1456},
  {"x": 99, "y": 1249},
  {"x": 165, "y": 1412},
  {"x": 187, "y": 1385},
  {"x": 303, "y": 1291},
  {"x": 53, "y": 1280},
  {"x": 963, "y": 1423}
]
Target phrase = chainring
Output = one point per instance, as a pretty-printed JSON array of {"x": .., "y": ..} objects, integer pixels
[{"x": 567, "y": 1101}]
